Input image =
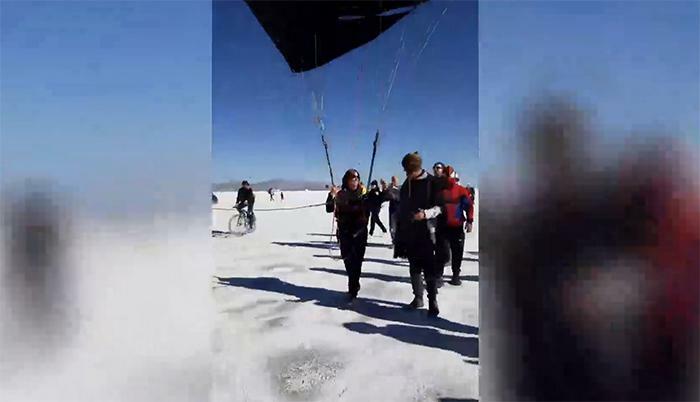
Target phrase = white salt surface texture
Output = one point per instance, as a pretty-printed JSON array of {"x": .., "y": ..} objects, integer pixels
[{"x": 283, "y": 335}]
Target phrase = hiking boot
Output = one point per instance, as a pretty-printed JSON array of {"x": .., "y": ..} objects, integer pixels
[
  {"x": 350, "y": 298},
  {"x": 353, "y": 291},
  {"x": 433, "y": 310},
  {"x": 455, "y": 281},
  {"x": 416, "y": 303}
]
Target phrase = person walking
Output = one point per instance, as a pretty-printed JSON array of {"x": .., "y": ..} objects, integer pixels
[
  {"x": 439, "y": 169},
  {"x": 450, "y": 230},
  {"x": 351, "y": 210},
  {"x": 418, "y": 210},
  {"x": 392, "y": 194},
  {"x": 470, "y": 211},
  {"x": 375, "y": 200}
]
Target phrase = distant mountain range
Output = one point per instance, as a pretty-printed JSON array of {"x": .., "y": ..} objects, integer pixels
[{"x": 282, "y": 184}]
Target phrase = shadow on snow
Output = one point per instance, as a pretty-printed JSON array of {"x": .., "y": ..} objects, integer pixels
[
  {"x": 385, "y": 277},
  {"x": 378, "y": 309}
]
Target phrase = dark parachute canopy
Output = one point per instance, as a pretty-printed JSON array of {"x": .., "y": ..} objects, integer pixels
[{"x": 310, "y": 34}]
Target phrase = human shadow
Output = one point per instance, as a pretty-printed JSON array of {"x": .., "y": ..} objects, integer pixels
[
  {"x": 220, "y": 233},
  {"x": 374, "y": 308},
  {"x": 385, "y": 277},
  {"x": 457, "y": 400},
  {"x": 430, "y": 337},
  {"x": 398, "y": 263},
  {"x": 470, "y": 259},
  {"x": 374, "y": 245},
  {"x": 322, "y": 246},
  {"x": 381, "y": 245}
]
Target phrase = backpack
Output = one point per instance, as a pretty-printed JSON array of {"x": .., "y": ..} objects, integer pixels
[{"x": 457, "y": 202}]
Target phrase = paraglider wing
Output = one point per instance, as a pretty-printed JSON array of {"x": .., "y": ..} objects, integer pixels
[{"x": 310, "y": 34}]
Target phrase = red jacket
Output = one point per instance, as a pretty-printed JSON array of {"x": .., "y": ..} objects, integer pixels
[
  {"x": 470, "y": 212},
  {"x": 455, "y": 197}
]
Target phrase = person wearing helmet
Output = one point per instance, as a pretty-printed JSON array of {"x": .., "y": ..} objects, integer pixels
[
  {"x": 450, "y": 232},
  {"x": 352, "y": 211},
  {"x": 470, "y": 211},
  {"x": 246, "y": 198},
  {"x": 418, "y": 209}
]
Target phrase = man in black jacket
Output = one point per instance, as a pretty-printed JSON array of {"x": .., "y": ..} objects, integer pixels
[
  {"x": 375, "y": 199},
  {"x": 418, "y": 209},
  {"x": 246, "y": 197}
]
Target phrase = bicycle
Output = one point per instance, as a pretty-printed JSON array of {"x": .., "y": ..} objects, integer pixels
[{"x": 244, "y": 222}]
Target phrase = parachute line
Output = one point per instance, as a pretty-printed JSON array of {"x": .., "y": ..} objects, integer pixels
[{"x": 430, "y": 34}]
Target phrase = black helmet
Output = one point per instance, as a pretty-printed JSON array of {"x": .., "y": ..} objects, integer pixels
[{"x": 245, "y": 183}]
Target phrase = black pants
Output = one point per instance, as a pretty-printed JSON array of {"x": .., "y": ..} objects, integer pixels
[
  {"x": 421, "y": 259},
  {"x": 251, "y": 215},
  {"x": 352, "y": 249},
  {"x": 392, "y": 224},
  {"x": 376, "y": 220},
  {"x": 450, "y": 240}
]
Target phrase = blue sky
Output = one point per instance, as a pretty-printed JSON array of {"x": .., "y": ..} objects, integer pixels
[
  {"x": 634, "y": 64},
  {"x": 110, "y": 98},
  {"x": 117, "y": 96},
  {"x": 263, "y": 124}
]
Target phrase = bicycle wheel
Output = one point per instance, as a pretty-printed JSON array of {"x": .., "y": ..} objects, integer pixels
[{"x": 236, "y": 223}]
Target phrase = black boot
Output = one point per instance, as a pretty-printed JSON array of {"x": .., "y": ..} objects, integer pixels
[
  {"x": 456, "y": 281},
  {"x": 416, "y": 303},
  {"x": 433, "y": 309},
  {"x": 353, "y": 288},
  {"x": 417, "y": 284}
]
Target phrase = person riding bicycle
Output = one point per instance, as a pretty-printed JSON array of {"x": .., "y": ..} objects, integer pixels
[{"x": 246, "y": 198}]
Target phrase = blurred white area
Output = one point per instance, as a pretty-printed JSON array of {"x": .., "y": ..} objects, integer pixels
[
  {"x": 108, "y": 104},
  {"x": 111, "y": 311}
]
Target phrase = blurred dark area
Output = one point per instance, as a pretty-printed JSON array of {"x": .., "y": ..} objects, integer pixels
[
  {"x": 35, "y": 233},
  {"x": 590, "y": 284}
]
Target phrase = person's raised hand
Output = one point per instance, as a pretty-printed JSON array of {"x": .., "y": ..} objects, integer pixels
[{"x": 420, "y": 216}]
